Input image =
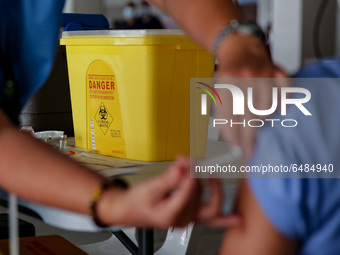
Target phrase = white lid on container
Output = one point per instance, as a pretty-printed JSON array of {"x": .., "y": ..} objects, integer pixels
[{"x": 123, "y": 33}]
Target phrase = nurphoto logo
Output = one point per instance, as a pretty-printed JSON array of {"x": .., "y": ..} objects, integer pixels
[{"x": 238, "y": 104}]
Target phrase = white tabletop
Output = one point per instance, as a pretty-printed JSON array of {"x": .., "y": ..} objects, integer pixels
[{"x": 217, "y": 152}]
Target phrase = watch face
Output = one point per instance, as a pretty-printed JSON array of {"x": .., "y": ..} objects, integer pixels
[
  {"x": 245, "y": 30},
  {"x": 249, "y": 28}
]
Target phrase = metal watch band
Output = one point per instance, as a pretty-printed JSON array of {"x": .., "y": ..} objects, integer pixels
[{"x": 235, "y": 26}]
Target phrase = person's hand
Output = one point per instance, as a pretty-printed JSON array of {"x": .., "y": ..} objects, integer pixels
[
  {"x": 170, "y": 199},
  {"x": 243, "y": 56},
  {"x": 210, "y": 212}
]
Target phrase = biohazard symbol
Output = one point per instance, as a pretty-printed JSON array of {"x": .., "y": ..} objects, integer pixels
[
  {"x": 103, "y": 118},
  {"x": 102, "y": 112}
]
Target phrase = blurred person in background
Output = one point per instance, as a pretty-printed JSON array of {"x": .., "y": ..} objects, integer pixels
[
  {"x": 129, "y": 15},
  {"x": 147, "y": 20}
]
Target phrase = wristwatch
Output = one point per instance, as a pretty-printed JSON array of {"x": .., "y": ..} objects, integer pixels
[{"x": 241, "y": 27}]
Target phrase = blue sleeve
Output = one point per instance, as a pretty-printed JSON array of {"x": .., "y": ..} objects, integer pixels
[
  {"x": 29, "y": 36},
  {"x": 326, "y": 68},
  {"x": 281, "y": 199},
  {"x": 301, "y": 207}
]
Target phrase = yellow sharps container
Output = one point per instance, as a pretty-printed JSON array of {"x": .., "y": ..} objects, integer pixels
[{"x": 130, "y": 91}]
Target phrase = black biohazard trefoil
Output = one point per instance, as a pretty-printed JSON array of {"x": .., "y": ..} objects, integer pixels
[{"x": 103, "y": 118}]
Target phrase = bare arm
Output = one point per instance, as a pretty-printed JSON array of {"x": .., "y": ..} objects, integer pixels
[
  {"x": 255, "y": 235},
  {"x": 36, "y": 172},
  {"x": 201, "y": 19},
  {"x": 238, "y": 55}
]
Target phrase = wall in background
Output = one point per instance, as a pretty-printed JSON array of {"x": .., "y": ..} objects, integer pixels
[
  {"x": 292, "y": 36},
  {"x": 84, "y": 6}
]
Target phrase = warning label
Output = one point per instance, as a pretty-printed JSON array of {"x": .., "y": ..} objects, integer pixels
[
  {"x": 103, "y": 118},
  {"x": 101, "y": 86}
]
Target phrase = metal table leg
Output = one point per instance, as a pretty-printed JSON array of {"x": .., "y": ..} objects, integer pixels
[
  {"x": 126, "y": 241},
  {"x": 145, "y": 241}
]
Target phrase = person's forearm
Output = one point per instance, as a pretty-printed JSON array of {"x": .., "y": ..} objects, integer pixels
[
  {"x": 201, "y": 19},
  {"x": 39, "y": 173}
]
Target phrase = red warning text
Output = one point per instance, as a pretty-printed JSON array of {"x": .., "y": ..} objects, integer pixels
[
  {"x": 101, "y": 82},
  {"x": 108, "y": 85}
]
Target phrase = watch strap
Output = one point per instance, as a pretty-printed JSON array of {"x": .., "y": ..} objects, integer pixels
[{"x": 241, "y": 27}]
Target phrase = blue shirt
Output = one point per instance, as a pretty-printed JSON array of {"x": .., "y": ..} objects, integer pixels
[
  {"x": 305, "y": 209},
  {"x": 28, "y": 39}
]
